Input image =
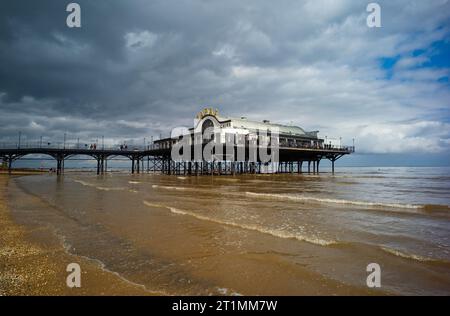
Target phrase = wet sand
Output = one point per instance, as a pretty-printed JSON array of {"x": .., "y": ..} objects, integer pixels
[{"x": 29, "y": 267}]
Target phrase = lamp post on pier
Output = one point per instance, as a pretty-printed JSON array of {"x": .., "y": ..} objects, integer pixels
[{"x": 20, "y": 136}]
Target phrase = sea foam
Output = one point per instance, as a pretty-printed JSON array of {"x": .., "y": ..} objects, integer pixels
[
  {"x": 332, "y": 201},
  {"x": 258, "y": 228}
]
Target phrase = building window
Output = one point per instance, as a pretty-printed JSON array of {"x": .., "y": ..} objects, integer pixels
[{"x": 208, "y": 126}]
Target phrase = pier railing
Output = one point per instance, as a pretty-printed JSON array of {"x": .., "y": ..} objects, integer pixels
[
  {"x": 350, "y": 149},
  {"x": 343, "y": 148},
  {"x": 148, "y": 146},
  {"x": 73, "y": 145}
]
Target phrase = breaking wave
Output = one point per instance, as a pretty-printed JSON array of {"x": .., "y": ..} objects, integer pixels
[
  {"x": 406, "y": 255},
  {"x": 68, "y": 249},
  {"x": 275, "y": 233},
  {"x": 156, "y": 186},
  {"x": 99, "y": 187},
  {"x": 111, "y": 189},
  {"x": 84, "y": 183},
  {"x": 333, "y": 201}
]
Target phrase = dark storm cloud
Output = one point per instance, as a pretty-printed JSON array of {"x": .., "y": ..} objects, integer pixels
[
  {"x": 46, "y": 59},
  {"x": 136, "y": 68},
  {"x": 88, "y": 71}
]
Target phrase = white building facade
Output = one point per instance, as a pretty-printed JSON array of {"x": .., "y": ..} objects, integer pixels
[{"x": 210, "y": 126}]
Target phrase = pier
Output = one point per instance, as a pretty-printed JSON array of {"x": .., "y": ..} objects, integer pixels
[
  {"x": 154, "y": 159},
  {"x": 235, "y": 146}
]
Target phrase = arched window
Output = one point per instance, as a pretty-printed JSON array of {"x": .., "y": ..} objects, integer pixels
[{"x": 207, "y": 130}]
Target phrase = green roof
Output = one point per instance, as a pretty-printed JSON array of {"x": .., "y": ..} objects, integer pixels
[{"x": 254, "y": 125}]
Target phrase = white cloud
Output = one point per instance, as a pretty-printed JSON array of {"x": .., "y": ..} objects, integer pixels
[
  {"x": 417, "y": 137},
  {"x": 140, "y": 39},
  {"x": 132, "y": 124},
  {"x": 409, "y": 62}
]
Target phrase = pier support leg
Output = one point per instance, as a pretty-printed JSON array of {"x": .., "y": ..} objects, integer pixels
[
  {"x": 318, "y": 161},
  {"x": 58, "y": 165},
  {"x": 309, "y": 166},
  {"x": 10, "y": 160}
]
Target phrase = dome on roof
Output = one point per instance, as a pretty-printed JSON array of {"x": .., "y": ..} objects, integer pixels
[
  {"x": 283, "y": 129},
  {"x": 244, "y": 123}
]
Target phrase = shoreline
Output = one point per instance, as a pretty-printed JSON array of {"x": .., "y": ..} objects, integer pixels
[{"x": 28, "y": 267}]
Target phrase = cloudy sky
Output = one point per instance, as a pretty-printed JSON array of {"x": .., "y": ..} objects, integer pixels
[{"x": 137, "y": 68}]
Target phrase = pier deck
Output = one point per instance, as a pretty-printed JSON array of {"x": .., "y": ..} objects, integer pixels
[{"x": 291, "y": 159}]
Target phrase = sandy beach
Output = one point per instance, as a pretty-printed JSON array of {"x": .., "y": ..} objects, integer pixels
[{"x": 29, "y": 267}]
